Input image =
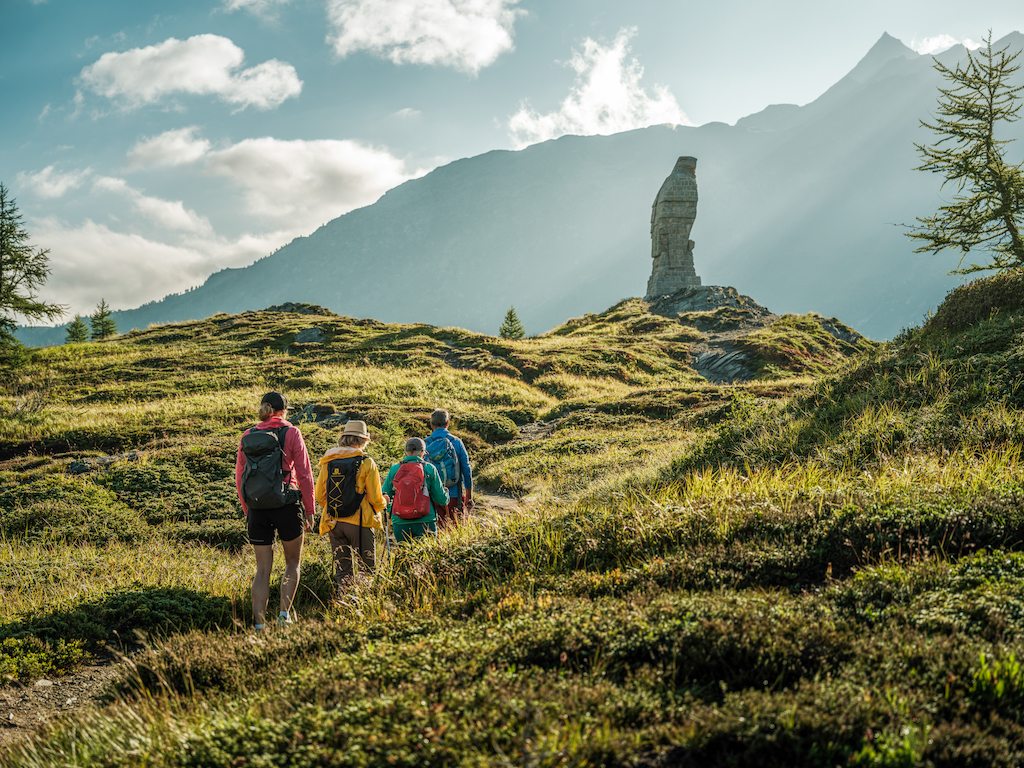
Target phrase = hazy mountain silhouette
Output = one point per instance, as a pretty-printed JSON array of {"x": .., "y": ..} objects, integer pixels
[{"x": 799, "y": 208}]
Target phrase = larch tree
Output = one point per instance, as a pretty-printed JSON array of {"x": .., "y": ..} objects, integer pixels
[
  {"x": 23, "y": 271},
  {"x": 986, "y": 211}
]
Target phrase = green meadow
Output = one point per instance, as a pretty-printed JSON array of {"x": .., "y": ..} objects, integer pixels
[{"x": 822, "y": 566}]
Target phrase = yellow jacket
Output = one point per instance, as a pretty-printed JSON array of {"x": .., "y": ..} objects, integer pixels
[{"x": 367, "y": 482}]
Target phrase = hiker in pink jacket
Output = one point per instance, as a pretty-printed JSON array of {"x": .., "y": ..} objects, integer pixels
[{"x": 275, "y": 487}]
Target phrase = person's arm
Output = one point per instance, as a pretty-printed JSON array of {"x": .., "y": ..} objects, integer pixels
[
  {"x": 320, "y": 489},
  {"x": 437, "y": 492},
  {"x": 239, "y": 469},
  {"x": 295, "y": 451},
  {"x": 371, "y": 485},
  {"x": 388, "y": 487},
  {"x": 465, "y": 473}
]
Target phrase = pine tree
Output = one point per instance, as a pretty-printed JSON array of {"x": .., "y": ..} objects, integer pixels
[
  {"x": 511, "y": 328},
  {"x": 23, "y": 270},
  {"x": 987, "y": 210},
  {"x": 77, "y": 331},
  {"x": 101, "y": 323}
]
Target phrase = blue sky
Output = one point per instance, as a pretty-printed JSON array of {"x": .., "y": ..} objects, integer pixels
[{"x": 151, "y": 144}]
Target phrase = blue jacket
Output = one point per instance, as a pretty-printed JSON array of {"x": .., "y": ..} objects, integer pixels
[{"x": 463, "y": 457}]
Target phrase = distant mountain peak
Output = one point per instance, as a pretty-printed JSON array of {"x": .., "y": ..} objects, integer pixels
[{"x": 882, "y": 52}]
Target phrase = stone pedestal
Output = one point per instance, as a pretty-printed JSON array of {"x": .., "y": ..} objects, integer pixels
[{"x": 672, "y": 217}]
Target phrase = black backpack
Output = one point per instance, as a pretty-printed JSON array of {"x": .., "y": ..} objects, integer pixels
[
  {"x": 264, "y": 485},
  {"x": 342, "y": 498}
]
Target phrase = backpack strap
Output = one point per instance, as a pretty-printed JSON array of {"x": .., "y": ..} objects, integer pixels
[{"x": 280, "y": 433}]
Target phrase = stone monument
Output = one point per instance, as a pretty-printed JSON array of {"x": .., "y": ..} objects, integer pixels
[{"x": 672, "y": 216}]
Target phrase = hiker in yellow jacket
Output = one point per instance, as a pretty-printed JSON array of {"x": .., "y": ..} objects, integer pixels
[{"x": 348, "y": 490}]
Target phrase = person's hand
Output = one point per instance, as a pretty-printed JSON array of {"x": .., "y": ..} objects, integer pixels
[
  {"x": 469, "y": 504},
  {"x": 387, "y": 499},
  {"x": 309, "y": 521}
]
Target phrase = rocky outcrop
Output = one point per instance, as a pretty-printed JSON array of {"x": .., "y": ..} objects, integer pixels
[
  {"x": 672, "y": 217},
  {"x": 723, "y": 315},
  {"x": 312, "y": 335},
  {"x": 709, "y": 298},
  {"x": 90, "y": 463}
]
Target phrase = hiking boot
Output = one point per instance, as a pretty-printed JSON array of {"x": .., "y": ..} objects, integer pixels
[{"x": 284, "y": 618}]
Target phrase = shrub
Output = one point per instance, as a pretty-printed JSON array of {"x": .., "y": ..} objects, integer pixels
[
  {"x": 69, "y": 509},
  {"x": 229, "y": 535},
  {"x": 164, "y": 491},
  {"x": 492, "y": 427},
  {"x": 521, "y": 415},
  {"x": 999, "y": 685},
  {"x": 28, "y": 658},
  {"x": 122, "y": 612},
  {"x": 978, "y": 300}
]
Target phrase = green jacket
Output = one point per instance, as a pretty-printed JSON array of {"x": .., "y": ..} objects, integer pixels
[{"x": 438, "y": 494}]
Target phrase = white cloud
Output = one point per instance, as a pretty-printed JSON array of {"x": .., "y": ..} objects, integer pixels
[
  {"x": 49, "y": 183},
  {"x": 169, "y": 214},
  {"x": 464, "y": 34},
  {"x": 265, "y": 9},
  {"x": 202, "y": 65},
  {"x": 163, "y": 247},
  {"x": 408, "y": 113},
  {"x": 92, "y": 261},
  {"x": 308, "y": 181},
  {"x": 177, "y": 147},
  {"x": 939, "y": 43},
  {"x": 607, "y": 97}
]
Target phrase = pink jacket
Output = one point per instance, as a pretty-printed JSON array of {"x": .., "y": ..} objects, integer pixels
[{"x": 295, "y": 460}]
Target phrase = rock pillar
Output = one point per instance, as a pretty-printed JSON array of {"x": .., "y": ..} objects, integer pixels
[{"x": 672, "y": 217}]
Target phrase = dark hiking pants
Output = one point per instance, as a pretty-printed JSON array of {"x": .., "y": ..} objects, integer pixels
[{"x": 345, "y": 540}]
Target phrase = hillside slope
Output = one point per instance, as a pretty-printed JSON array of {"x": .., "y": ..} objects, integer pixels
[{"x": 819, "y": 570}]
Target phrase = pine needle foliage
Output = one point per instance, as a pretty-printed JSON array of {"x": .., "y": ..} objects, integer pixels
[
  {"x": 987, "y": 209},
  {"x": 77, "y": 331},
  {"x": 23, "y": 270},
  {"x": 511, "y": 328},
  {"x": 101, "y": 323}
]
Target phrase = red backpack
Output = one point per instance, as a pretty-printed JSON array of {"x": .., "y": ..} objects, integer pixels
[{"x": 412, "y": 499}]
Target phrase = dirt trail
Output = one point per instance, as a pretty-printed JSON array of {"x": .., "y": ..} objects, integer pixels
[
  {"x": 23, "y": 707},
  {"x": 489, "y": 503}
]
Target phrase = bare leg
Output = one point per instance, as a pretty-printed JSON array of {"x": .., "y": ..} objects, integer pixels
[
  {"x": 261, "y": 582},
  {"x": 290, "y": 581}
]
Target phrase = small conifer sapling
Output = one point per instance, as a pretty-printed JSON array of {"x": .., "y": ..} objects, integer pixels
[
  {"x": 101, "y": 323},
  {"x": 77, "y": 331},
  {"x": 511, "y": 328}
]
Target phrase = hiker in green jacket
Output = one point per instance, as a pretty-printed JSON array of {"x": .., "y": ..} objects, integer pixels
[{"x": 414, "y": 487}]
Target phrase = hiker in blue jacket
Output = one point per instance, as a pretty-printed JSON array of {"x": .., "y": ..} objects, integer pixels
[{"x": 446, "y": 452}]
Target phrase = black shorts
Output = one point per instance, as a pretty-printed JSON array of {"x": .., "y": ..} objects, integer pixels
[{"x": 287, "y": 521}]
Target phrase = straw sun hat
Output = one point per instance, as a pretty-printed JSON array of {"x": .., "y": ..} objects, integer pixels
[{"x": 357, "y": 428}]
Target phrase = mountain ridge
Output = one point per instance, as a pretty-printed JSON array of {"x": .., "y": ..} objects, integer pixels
[{"x": 800, "y": 206}]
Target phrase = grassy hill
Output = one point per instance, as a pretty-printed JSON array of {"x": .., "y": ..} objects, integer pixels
[{"x": 804, "y": 569}]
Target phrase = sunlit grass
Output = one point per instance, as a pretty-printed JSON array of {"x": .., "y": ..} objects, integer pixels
[
  {"x": 455, "y": 389},
  {"x": 657, "y": 515},
  {"x": 39, "y": 577}
]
